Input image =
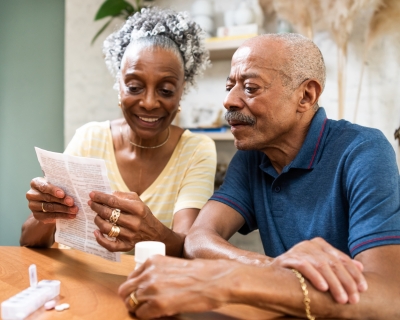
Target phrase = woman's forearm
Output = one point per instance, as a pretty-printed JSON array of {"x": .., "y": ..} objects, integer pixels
[{"x": 37, "y": 234}]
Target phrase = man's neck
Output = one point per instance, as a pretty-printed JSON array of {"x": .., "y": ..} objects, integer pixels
[{"x": 286, "y": 150}]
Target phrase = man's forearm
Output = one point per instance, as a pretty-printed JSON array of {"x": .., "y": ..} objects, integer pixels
[
  {"x": 278, "y": 289},
  {"x": 210, "y": 245}
]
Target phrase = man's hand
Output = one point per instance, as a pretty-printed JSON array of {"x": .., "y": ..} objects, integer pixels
[
  {"x": 165, "y": 286},
  {"x": 327, "y": 269}
]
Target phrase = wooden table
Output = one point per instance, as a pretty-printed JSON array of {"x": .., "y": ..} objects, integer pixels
[{"x": 89, "y": 284}]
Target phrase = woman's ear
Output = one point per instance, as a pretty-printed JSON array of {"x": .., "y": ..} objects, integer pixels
[{"x": 311, "y": 90}]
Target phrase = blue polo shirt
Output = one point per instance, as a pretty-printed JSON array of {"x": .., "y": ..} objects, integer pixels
[{"x": 342, "y": 186}]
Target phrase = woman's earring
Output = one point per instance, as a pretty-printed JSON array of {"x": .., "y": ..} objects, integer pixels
[
  {"x": 119, "y": 101},
  {"x": 179, "y": 109}
]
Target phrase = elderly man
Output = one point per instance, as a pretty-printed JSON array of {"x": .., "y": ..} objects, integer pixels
[{"x": 323, "y": 193}]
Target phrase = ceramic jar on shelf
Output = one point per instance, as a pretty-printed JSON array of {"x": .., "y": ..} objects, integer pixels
[{"x": 203, "y": 13}]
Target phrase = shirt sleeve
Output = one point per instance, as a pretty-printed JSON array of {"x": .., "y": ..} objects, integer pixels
[
  {"x": 236, "y": 190},
  {"x": 197, "y": 185},
  {"x": 372, "y": 187}
]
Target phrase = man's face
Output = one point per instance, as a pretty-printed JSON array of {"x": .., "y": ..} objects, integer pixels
[{"x": 261, "y": 111}]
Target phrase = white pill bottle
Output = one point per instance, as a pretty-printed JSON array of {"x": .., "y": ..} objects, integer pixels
[{"x": 146, "y": 249}]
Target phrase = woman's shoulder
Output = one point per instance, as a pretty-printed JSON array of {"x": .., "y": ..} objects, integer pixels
[
  {"x": 94, "y": 128},
  {"x": 190, "y": 138}
]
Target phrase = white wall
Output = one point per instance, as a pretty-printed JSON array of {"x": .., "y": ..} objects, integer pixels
[{"x": 89, "y": 94}]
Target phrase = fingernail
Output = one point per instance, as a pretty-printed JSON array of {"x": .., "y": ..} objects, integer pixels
[
  {"x": 354, "y": 298},
  {"x": 59, "y": 194},
  {"x": 71, "y": 216},
  {"x": 344, "y": 298},
  {"x": 363, "y": 286},
  {"x": 69, "y": 201},
  {"x": 91, "y": 194},
  {"x": 74, "y": 210},
  {"x": 89, "y": 202}
]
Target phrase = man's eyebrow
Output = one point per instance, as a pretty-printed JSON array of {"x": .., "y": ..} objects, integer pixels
[{"x": 245, "y": 76}]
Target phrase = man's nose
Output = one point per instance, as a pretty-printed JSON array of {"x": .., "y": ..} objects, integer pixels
[{"x": 233, "y": 99}]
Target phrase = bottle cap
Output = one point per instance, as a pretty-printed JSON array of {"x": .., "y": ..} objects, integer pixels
[{"x": 146, "y": 249}]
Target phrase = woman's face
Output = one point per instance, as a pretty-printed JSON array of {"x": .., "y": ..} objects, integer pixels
[{"x": 151, "y": 86}]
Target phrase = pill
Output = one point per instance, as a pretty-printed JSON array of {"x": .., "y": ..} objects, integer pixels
[
  {"x": 66, "y": 306},
  {"x": 62, "y": 307},
  {"x": 50, "y": 304}
]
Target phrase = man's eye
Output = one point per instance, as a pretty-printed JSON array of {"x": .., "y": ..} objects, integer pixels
[
  {"x": 250, "y": 89},
  {"x": 228, "y": 88}
]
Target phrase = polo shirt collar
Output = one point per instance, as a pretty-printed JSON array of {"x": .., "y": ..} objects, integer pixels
[{"x": 309, "y": 152}]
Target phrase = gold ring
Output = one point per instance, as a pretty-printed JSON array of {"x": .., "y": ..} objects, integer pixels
[
  {"x": 114, "y": 232},
  {"x": 43, "y": 208},
  {"x": 132, "y": 300},
  {"x": 115, "y": 216}
]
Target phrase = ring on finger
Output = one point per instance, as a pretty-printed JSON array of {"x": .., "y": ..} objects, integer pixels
[
  {"x": 114, "y": 216},
  {"x": 114, "y": 232},
  {"x": 133, "y": 302},
  {"x": 43, "y": 208}
]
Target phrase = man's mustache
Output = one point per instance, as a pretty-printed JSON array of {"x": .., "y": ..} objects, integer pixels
[{"x": 238, "y": 116}]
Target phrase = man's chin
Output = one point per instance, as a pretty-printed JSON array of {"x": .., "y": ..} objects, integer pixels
[{"x": 243, "y": 145}]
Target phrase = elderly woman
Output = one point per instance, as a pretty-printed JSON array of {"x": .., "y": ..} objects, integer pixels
[{"x": 162, "y": 175}]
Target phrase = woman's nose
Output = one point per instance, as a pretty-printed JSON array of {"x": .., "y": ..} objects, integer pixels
[{"x": 150, "y": 101}]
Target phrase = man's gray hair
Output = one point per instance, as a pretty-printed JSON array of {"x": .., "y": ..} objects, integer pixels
[
  {"x": 304, "y": 58},
  {"x": 162, "y": 28}
]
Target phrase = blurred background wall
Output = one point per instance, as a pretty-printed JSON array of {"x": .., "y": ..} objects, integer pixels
[{"x": 31, "y": 100}]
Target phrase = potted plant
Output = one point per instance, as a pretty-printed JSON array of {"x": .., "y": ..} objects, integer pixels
[{"x": 117, "y": 9}]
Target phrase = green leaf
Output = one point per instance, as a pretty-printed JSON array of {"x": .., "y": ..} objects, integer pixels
[
  {"x": 101, "y": 30},
  {"x": 113, "y": 8}
]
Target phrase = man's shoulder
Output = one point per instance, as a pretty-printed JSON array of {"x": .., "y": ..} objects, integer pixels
[{"x": 346, "y": 132}]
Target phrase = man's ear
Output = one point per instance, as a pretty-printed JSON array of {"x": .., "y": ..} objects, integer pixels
[{"x": 310, "y": 91}]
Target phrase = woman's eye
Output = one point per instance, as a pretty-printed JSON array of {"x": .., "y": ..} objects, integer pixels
[
  {"x": 133, "y": 89},
  {"x": 166, "y": 92}
]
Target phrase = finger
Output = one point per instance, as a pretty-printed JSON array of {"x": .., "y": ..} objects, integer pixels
[
  {"x": 125, "y": 220},
  {"x": 358, "y": 264},
  {"x": 336, "y": 276},
  {"x": 352, "y": 277},
  {"x": 50, "y": 217},
  {"x": 35, "y": 195},
  {"x": 111, "y": 245},
  {"x": 48, "y": 207},
  {"x": 355, "y": 268},
  {"x": 45, "y": 187},
  {"x": 307, "y": 270},
  {"x": 126, "y": 195},
  {"x": 136, "y": 207}
]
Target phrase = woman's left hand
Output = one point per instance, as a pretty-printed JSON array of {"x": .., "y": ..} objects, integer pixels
[{"x": 136, "y": 222}]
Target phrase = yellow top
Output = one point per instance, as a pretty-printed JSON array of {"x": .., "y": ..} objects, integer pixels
[{"x": 187, "y": 180}]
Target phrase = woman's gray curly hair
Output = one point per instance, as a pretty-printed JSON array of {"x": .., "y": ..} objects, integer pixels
[{"x": 163, "y": 28}]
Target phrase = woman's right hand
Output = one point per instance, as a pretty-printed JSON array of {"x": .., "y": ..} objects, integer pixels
[{"x": 48, "y": 202}]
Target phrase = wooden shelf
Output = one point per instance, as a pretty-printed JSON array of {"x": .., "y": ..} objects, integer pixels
[{"x": 224, "y": 48}]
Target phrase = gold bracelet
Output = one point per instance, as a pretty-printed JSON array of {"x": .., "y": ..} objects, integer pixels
[{"x": 306, "y": 300}]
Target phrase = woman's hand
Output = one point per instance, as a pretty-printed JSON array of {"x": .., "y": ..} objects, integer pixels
[
  {"x": 136, "y": 222},
  {"x": 326, "y": 268},
  {"x": 164, "y": 286},
  {"x": 48, "y": 202}
]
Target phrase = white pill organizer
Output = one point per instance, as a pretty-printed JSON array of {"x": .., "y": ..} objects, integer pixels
[{"x": 29, "y": 300}]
